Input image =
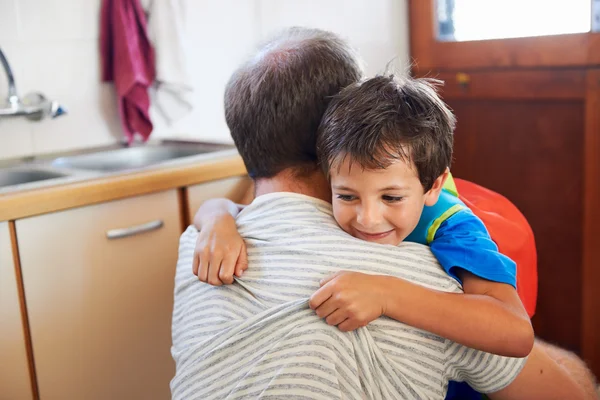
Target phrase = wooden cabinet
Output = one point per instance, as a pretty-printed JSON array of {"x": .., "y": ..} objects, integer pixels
[
  {"x": 99, "y": 289},
  {"x": 238, "y": 189},
  {"x": 14, "y": 372}
]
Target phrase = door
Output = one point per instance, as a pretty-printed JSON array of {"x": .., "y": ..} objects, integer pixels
[{"x": 99, "y": 288}]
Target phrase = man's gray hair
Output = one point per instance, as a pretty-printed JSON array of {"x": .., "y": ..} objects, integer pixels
[{"x": 275, "y": 101}]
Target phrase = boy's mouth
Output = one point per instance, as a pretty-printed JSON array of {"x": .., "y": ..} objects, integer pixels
[{"x": 372, "y": 236}]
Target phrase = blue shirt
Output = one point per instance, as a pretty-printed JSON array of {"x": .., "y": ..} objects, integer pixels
[{"x": 462, "y": 241}]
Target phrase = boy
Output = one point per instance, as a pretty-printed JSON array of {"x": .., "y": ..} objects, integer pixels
[{"x": 386, "y": 146}]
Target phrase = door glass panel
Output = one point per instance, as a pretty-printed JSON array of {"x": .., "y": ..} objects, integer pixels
[{"x": 463, "y": 20}]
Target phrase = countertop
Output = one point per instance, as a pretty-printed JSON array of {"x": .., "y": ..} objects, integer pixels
[{"x": 91, "y": 188}]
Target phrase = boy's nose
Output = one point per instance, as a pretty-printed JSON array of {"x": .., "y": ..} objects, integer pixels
[{"x": 368, "y": 216}]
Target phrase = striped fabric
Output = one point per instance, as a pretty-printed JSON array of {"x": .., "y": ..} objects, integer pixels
[{"x": 258, "y": 338}]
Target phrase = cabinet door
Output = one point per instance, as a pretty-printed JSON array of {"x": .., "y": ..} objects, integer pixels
[
  {"x": 238, "y": 189},
  {"x": 14, "y": 373},
  {"x": 100, "y": 308}
]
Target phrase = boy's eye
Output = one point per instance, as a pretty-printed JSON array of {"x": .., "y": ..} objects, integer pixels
[
  {"x": 346, "y": 197},
  {"x": 392, "y": 199}
]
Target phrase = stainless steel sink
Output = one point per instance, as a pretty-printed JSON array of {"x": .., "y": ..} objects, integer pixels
[
  {"x": 18, "y": 177},
  {"x": 136, "y": 157}
]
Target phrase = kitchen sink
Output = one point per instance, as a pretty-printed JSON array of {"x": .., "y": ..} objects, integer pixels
[
  {"x": 136, "y": 157},
  {"x": 18, "y": 177}
]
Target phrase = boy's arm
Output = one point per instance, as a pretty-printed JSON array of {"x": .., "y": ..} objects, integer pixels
[
  {"x": 488, "y": 316},
  {"x": 220, "y": 251},
  {"x": 214, "y": 209},
  {"x": 479, "y": 321}
]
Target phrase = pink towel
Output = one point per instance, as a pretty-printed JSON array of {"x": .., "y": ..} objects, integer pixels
[{"x": 128, "y": 60}]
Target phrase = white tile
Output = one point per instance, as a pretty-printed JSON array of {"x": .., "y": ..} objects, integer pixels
[
  {"x": 15, "y": 133},
  {"x": 221, "y": 28},
  {"x": 107, "y": 109},
  {"x": 53, "y": 20},
  {"x": 90, "y": 121},
  {"x": 12, "y": 52},
  {"x": 380, "y": 58},
  {"x": 8, "y": 20},
  {"x": 15, "y": 138},
  {"x": 60, "y": 68},
  {"x": 220, "y": 21},
  {"x": 357, "y": 20},
  {"x": 378, "y": 29}
]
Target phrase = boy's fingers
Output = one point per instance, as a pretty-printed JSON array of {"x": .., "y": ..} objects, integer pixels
[
  {"x": 196, "y": 263},
  {"x": 243, "y": 256},
  {"x": 227, "y": 269},
  {"x": 319, "y": 297},
  {"x": 327, "y": 279},
  {"x": 213, "y": 270},
  {"x": 242, "y": 261},
  {"x": 213, "y": 275},
  {"x": 337, "y": 317},
  {"x": 239, "y": 270},
  {"x": 202, "y": 268},
  {"x": 326, "y": 309},
  {"x": 348, "y": 325}
]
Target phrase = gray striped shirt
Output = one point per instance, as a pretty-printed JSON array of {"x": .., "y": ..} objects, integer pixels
[{"x": 258, "y": 338}]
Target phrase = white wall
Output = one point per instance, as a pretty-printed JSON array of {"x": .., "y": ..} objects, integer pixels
[{"x": 52, "y": 46}]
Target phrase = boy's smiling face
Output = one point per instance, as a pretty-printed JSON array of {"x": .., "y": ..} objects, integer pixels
[{"x": 380, "y": 205}]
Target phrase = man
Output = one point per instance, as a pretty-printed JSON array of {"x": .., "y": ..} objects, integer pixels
[{"x": 258, "y": 338}]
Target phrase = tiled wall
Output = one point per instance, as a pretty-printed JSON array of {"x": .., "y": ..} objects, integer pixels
[{"x": 52, "y": 46}]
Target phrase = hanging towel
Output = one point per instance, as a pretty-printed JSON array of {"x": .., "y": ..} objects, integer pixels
[
  {"x": 172, "y": 91},
  {"x": 128, "y": 60}
]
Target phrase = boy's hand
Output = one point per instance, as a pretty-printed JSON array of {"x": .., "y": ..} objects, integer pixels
[
  {"x": 220, "y": 252},
  {"x": 349, "y": 300}
]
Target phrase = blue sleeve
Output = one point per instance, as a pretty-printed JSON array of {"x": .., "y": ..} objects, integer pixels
[{"x": 462, "y": 241}]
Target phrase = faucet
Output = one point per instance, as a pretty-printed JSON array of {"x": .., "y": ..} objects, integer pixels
[{"x": 34, "y": 106}]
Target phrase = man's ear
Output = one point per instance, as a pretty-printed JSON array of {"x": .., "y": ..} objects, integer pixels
[{"x": 432, "y": 196}]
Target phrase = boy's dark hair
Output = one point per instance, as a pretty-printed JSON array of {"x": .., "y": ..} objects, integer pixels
[
  {"x": 274, "y": 102},
  {"x": 384, "y": 119}
]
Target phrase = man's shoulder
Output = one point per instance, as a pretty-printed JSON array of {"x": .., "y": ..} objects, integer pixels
[
  {"x": 286, "y": 209},
  {"x": 285, "y": 202}
]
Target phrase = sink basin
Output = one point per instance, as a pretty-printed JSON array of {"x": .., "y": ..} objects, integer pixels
[
  {"x": 135, "y": 157},
  {"x": 19, "y": 177}
]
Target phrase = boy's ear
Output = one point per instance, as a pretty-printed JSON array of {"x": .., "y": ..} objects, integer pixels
[{"x": 432, "y": 196}]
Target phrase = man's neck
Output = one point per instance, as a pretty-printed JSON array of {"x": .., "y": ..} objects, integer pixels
[{"x": 313, "y": 185}]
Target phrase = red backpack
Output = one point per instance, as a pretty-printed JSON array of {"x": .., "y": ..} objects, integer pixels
[{"x": 510, "y": 231}]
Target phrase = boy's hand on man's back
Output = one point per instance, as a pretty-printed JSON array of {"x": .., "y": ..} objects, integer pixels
[
  {"x": 349, "y": 300},
  {"x": 220, "y": 252}
]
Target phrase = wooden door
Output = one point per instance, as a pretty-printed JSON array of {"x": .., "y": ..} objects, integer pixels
[
  {"x": 529, "y": 128},
  {"x": 15, "y": 382},
  {"x": 99, "y": 288}
]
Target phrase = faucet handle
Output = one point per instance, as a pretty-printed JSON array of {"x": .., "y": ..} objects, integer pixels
[
  {"x": 56, "y": 110},
  {"x": 39, "y": 106}
]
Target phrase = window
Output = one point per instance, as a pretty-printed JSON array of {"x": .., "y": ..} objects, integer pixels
[{"x": 465, "y": 20}]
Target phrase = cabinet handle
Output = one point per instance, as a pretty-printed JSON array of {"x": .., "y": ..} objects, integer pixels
[{"x": 134, "y": 230}]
